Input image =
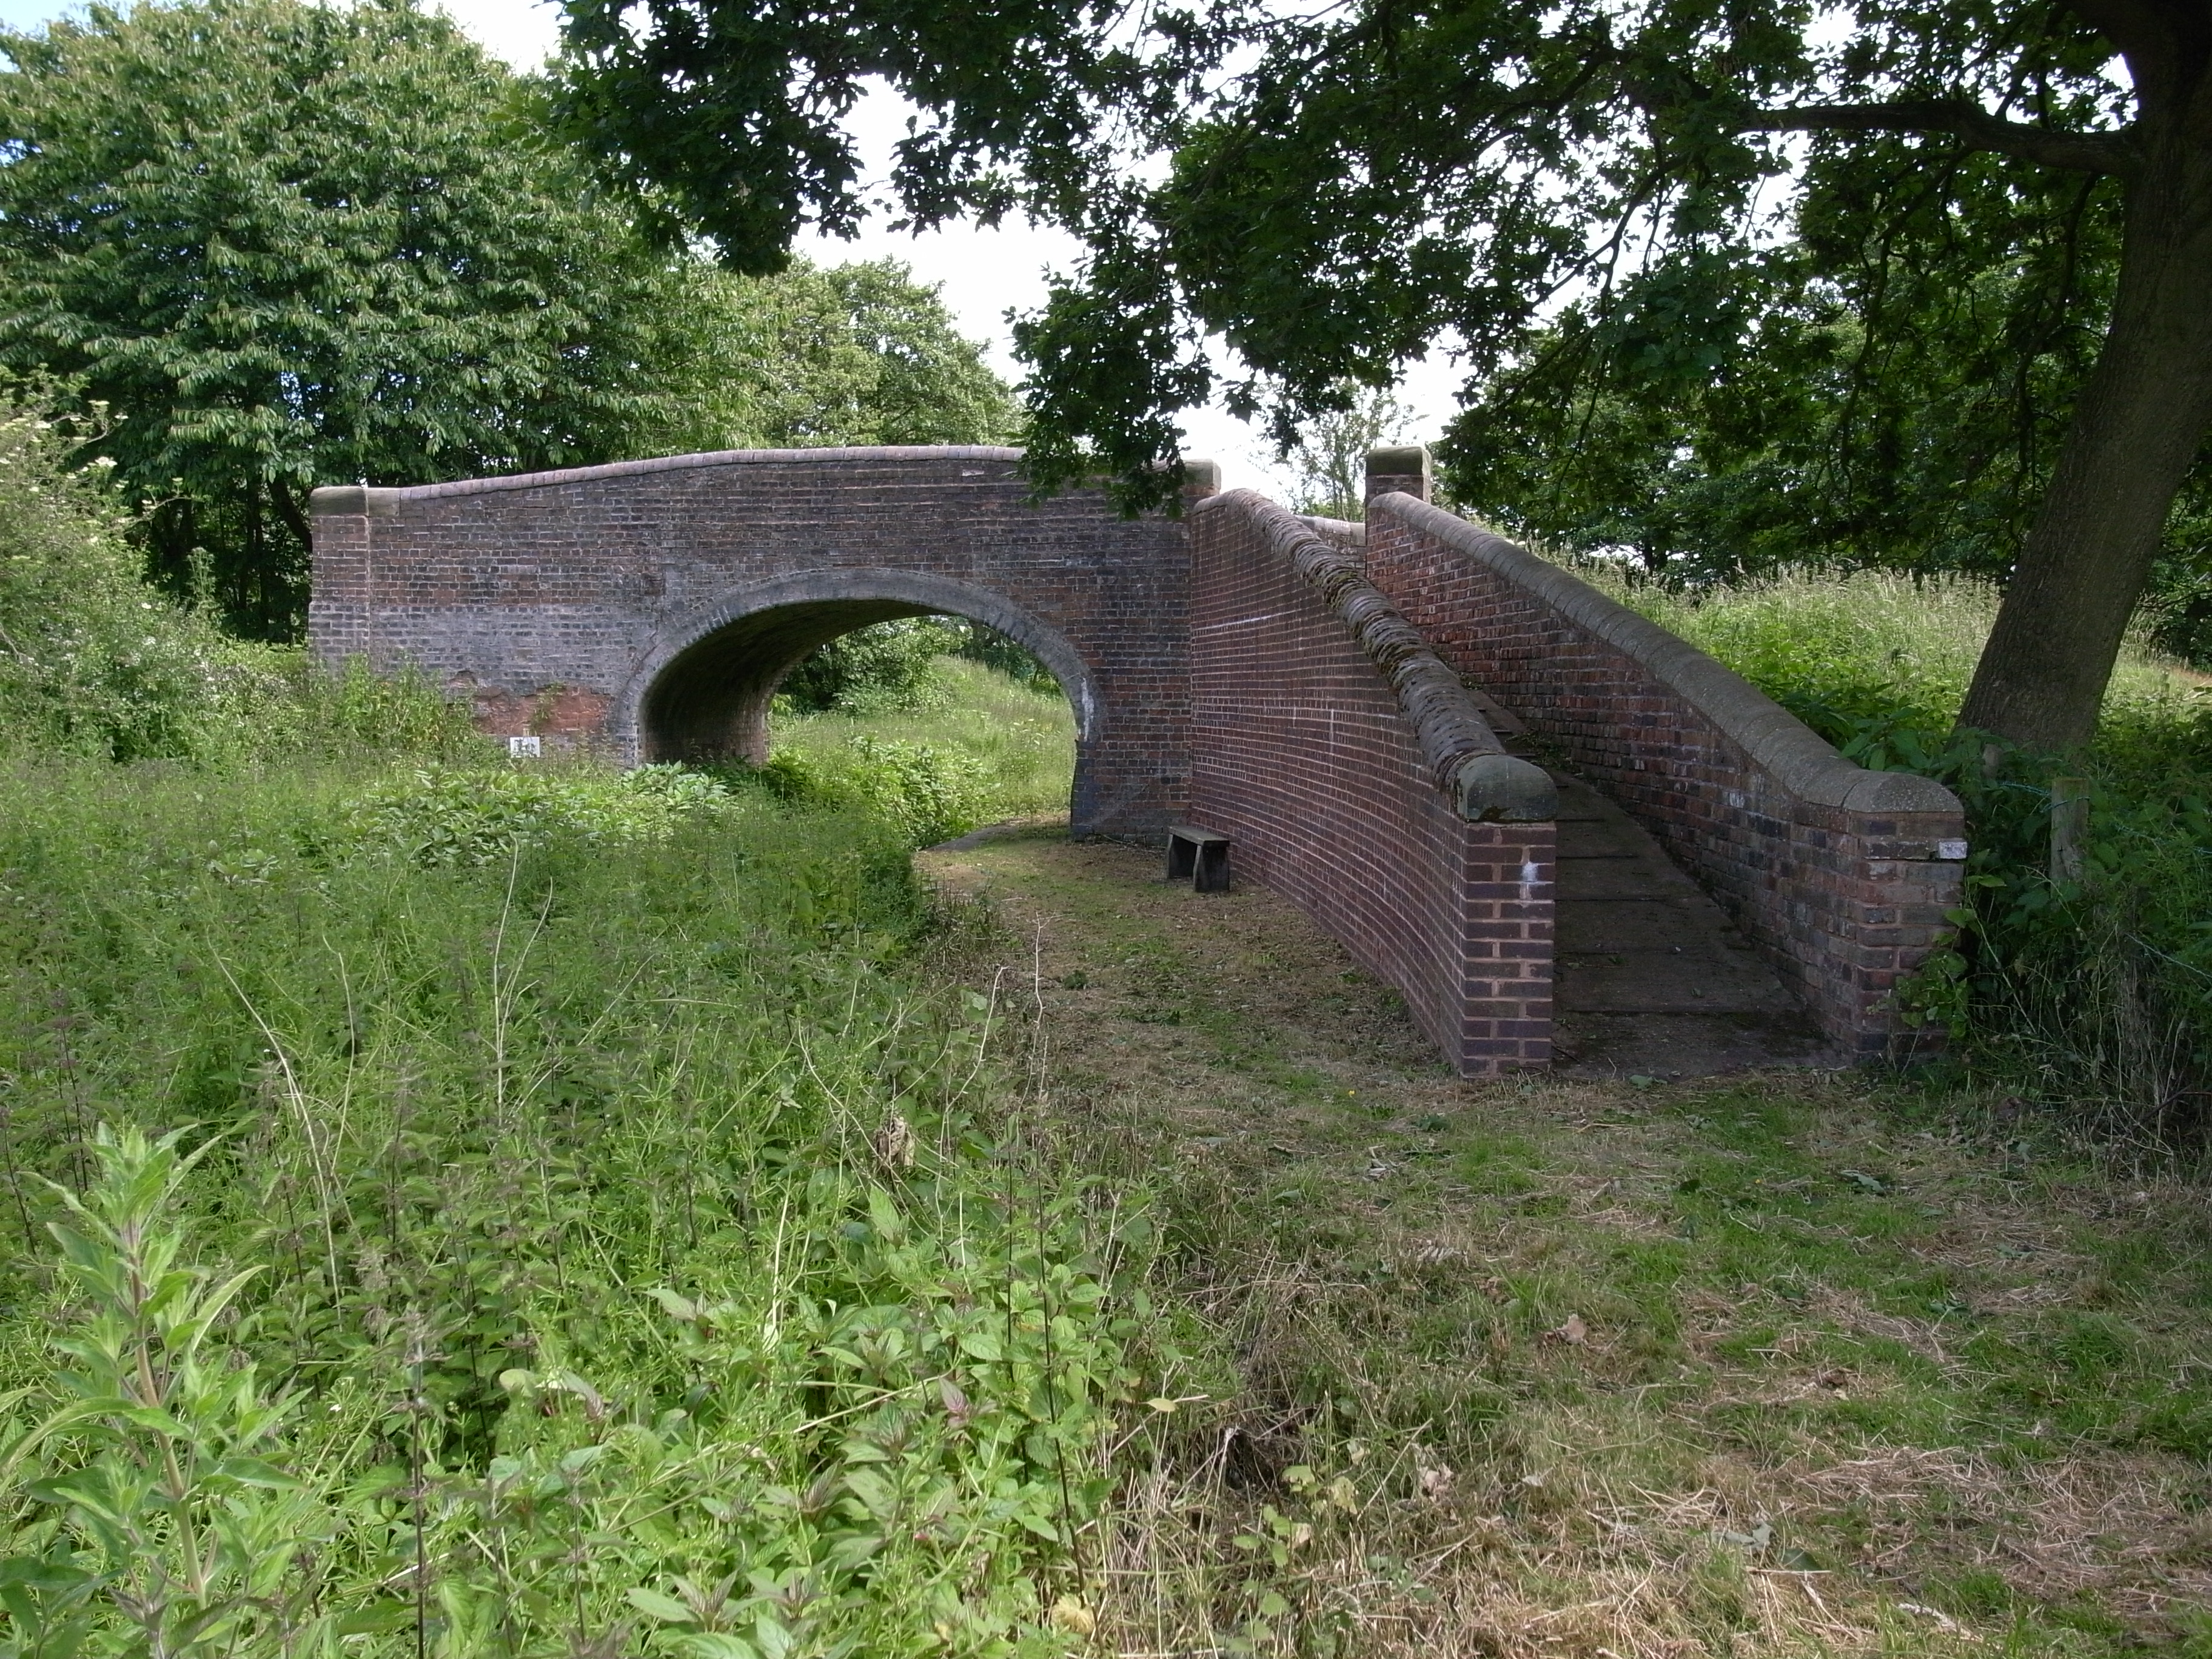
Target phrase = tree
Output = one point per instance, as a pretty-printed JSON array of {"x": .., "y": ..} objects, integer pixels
[
  {"x": 1329, "y": 453},
  {"x": 1336, "y": 190},
  {"x": 289, "y": 244},
  {"x": 856, "y": 353}
]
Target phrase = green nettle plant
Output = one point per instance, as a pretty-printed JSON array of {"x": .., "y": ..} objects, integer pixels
[{"x": 159, "y": 1483}]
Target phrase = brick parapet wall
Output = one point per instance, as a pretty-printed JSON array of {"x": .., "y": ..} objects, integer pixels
[
  {"x": 1841, "y": 875},
  {"x": 1339, "y": 770},
  {"x": 559, "y": 601}
]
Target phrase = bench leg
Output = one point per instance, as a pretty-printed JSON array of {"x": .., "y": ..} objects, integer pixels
[
  {"x": 1180, "y": 855},
  {"x": 1213, "y": 873}
]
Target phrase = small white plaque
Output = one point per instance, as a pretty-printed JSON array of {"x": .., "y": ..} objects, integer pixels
[
  {"x": 531, "y": 748},
  {"x": 1950, "y": 849}
]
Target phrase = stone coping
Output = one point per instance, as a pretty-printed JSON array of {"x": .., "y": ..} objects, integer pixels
[
  {"x": 1481, "y": 781},
  {"x": 382, "y": 502},
  {"x": 1788, "y": 750},
  {"x": 378, "y": 501}
]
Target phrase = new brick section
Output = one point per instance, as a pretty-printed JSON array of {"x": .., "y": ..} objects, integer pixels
[
  {"x": 1843, "y": 876},
  {"x": 649, "y": 607},
  {"x": 1307, "y": 755}
]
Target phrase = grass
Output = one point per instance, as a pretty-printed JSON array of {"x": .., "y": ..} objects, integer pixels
[
  {"x": 2088, "y": 989},
  {"x": 1008, "y": 751},
  {"x": 1775, "y": 1364},
  {"x": 1813, "y": 632},
  {"x": 670, "y": 1228},
  {"x": 640, "y": 1254}
]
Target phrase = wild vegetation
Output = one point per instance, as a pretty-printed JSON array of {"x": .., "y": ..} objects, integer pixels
[
  {"x": 500, "y": 1210},
  {"x": 1618, "y": 1369},
  {"x": 456, "y": 1205}
]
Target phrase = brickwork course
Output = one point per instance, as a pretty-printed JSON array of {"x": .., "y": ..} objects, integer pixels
[
  {"x": 1355, "y": 777},
  {"x": 1317, "y": 692},
  {"x": 649, "y": 609},
  {"x": 1840, "y": 875}
]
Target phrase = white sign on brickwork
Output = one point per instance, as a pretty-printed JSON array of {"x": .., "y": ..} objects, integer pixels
[{"x": 524, "y": 747}]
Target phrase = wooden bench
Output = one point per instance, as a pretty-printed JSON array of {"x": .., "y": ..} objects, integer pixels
[{"x": 1201, "y": 855}]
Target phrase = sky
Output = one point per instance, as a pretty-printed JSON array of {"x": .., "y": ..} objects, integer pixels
[{"x": 981, "y": 274}]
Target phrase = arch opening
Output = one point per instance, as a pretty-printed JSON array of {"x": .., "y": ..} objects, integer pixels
[{"x": 708, "y": 697}]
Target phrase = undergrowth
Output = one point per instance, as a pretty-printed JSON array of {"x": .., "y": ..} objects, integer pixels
[
  {"x": 582, "y": 1235},
  {"x": 95, "y": 662},
  {"x": 980, "y": 747}
]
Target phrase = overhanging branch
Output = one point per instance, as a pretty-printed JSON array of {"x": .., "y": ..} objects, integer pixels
[{"x": 2077, "y": 152}]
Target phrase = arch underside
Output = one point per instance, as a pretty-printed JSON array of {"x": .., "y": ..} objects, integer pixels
[
  {"x": 711, "y": 702},
  {"x": 708, "y": 698}
]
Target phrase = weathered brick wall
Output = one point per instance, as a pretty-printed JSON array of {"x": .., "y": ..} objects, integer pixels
[
  {"x": 1840, "y": 874},
  {"x": 649, "y": 607},
  {"x": 1336, "y": 787}
]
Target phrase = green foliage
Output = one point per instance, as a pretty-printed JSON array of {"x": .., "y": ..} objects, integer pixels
[
  {"x": 95, "y": 662},
  {"x": 989, "y": 747},
  {"x": 994, "y": 650},
  {"x": 172, "y": 1513},
  {"x": 880, "y": 669},
  {"x": 644, "y": 1266},
  {"x": 861, "y": 354},
  {"x": 1889, "y": 389},
  {"x": 892, "y": 667},
  {"x": 439, "y": 816},
  {"x": 930, "y": 793},
  {"x": 1371, "y": 179},
  {"x": 290, "y": 245},
  {"x": 1330, "y": 453}
]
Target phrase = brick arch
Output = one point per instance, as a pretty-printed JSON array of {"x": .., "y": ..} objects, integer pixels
[
  {"x": 703, "y": 690},
  {"x": 649, "y": 606}
]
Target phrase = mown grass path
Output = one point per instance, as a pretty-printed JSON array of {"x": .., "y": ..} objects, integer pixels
[{"x": 1781, "y": 1363}]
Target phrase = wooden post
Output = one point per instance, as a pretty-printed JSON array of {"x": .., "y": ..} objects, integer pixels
[{"x": 2070, "y": 818}]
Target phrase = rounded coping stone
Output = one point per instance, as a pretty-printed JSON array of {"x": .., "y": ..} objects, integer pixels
[{"x": 1483, "y": 783}]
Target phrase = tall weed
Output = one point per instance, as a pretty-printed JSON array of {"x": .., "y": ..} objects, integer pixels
[
  {"x": 646, "y": 1264},
  {"x": 993, "y": 747},
  {"x": 94, "y": 661}
]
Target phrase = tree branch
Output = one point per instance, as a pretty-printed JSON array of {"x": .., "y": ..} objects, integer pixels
[
  {"x": 2077, "y": 152},
  {"x": 288, "y": 508}
]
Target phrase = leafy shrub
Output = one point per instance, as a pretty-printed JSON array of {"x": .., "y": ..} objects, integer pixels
[
  {"x": 875, "y": 670},
  {"x": 94, "y": 661},
  {"x": 994, "y": 650},
  {"x": 443, "y": 815},
  {"x": 929, "y": 792},
  {"x": 997, "y": 748},
  {"x": 895, "y": 667}
]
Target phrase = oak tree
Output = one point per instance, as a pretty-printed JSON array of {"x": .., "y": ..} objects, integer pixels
[{"x": 1333, "y": 191}]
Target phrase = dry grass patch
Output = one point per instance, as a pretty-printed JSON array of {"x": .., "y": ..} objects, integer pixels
[{"x": 1772, "y": 1364}]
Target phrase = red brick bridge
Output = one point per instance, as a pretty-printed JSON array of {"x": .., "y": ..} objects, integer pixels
[{"x": 1558, "y": 829}]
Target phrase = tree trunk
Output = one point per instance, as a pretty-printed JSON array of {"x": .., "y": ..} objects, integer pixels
[{"x": 2136, "y": 432}]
